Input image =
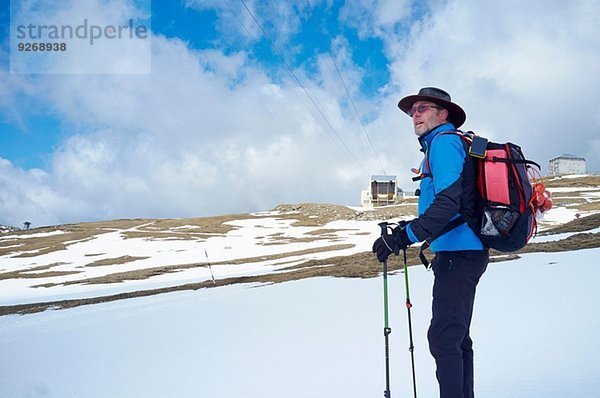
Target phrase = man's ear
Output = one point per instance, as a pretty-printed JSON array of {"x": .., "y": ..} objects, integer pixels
[{"x": 445, "y": 114}]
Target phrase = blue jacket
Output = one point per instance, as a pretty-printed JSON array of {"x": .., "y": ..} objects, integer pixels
[{"x": 448, "y": 188}]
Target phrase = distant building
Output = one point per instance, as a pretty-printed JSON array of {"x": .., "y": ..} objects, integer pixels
[
  {"x": 566, "y": 164},
  {"x": 382, "y": 190}
]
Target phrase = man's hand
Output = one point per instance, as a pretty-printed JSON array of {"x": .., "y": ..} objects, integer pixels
[{"x": 391, "y": 243}]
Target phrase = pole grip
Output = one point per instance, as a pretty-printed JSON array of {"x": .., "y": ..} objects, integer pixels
[{"x": 384, "y": 228}]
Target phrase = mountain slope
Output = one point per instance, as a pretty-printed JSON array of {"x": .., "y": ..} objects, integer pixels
[{"x": 71, "y": 265}]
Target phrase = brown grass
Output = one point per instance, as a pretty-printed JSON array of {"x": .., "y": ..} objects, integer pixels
[
  {"x": 114, "y": 261},
  {"x": 286, "y": 240},
  {"x": 575, "y": 242},
  {"x": 558, "y": 202},
  {"x": 32, "y": 247},
  {"x": 578, "y": 225},
  {"x": 159, "y": 235},
  {"x": 313, "y": 236},
  {"x": 33, "y": 272},
  {"x": 590, "y": 206},
  {"x": 581, "y": 182},
  {"x": 326, "y": 232},
  {"x": 211, "y": 225},
  {"x": 316, "y": 215}
]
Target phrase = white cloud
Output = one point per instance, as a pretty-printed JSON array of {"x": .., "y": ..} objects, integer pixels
[
  {"x": 524, "y": 72},
  {"x": 206, "y": 134},
  {"x": 376, "y": 17},
  {"x": 26, "y": 196},
  {"x": 279, "y": 20}
]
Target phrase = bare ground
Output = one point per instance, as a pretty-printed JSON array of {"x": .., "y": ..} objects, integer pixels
[
  {"x": 592, "y": 181},
  {"x": 579, "y": 225}
]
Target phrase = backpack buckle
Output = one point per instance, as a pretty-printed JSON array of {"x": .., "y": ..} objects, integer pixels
[{"x": 478, "y": 147}]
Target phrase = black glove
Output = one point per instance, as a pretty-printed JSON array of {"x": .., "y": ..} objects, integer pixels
[{"x": 391, "y": 243}]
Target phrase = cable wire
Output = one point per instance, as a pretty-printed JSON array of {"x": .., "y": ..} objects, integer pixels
[
  {"x": 349, "y": 95},
  {"x": 302, "y": 86}
]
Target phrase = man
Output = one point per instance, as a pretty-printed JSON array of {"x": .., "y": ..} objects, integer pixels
[{"x": 447, "y": 192}]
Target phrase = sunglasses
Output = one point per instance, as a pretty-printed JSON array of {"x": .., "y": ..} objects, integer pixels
[{"x": 421, "y": 109}]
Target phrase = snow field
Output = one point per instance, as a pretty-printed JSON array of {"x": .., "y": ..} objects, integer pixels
[{"x": 535, "y": 331}]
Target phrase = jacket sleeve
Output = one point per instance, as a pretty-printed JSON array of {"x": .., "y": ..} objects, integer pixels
[{"x": 446, "y": 161}]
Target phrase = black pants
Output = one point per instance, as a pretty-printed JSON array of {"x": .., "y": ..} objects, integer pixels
[{"x": 456, "y": 277}]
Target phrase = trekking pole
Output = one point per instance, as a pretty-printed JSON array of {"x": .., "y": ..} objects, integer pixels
[
  {"x": 386, "y": 328},
  {"x": 411, "y": 347},
  {"x": 386, "y": 332}
]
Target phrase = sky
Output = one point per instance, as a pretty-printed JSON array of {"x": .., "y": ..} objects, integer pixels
[{"x": 238, "y": 106}]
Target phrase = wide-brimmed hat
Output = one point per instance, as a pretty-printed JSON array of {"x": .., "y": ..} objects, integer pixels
[{"x": 456, "y": 115}]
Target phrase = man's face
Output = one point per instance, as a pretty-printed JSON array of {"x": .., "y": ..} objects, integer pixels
[{"x": 426, "y": 115}]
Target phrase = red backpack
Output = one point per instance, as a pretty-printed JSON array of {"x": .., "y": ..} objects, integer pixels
[{"x": 507, "y": 201}]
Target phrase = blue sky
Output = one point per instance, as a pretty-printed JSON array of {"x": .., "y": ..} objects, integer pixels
[{"x": 268, "y": 121}]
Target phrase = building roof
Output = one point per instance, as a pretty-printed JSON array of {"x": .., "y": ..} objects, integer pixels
[
  {"x": 568, "y": 156},
  {"x": 381, "y": 177}
]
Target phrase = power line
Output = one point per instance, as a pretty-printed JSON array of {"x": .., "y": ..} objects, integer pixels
[
  {"x": 348, "y": 94},
  {"x": 304, "y": 89},
  {"x": 237, "y": 18},
  {"x": 357, "y": 114}
]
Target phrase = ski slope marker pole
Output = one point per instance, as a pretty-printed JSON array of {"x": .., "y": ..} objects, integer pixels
[{"x": 209, "y": 268}]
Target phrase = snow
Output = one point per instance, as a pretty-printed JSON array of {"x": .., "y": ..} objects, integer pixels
[
  {"x": 535, "y": 331},
  {"x": 5, "y": 229},
  {"x": 34, "y": 235},
  {"x": 558, "y": 215},
  {"x": 185, "y": 227},
  {"x": 573, "y": 176},
  {"x": 572, "y": 189},
  {"x": 535, "y": 323},
  {"x": 253, "y": 238},
  {"x": 557, "y": 237}
]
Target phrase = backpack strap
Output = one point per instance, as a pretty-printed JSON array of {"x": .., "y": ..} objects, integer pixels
[
  {"x": 505, "y": 160},
  {"x": 466, "y": 139},
  {"x": 454, "y": 223}
]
